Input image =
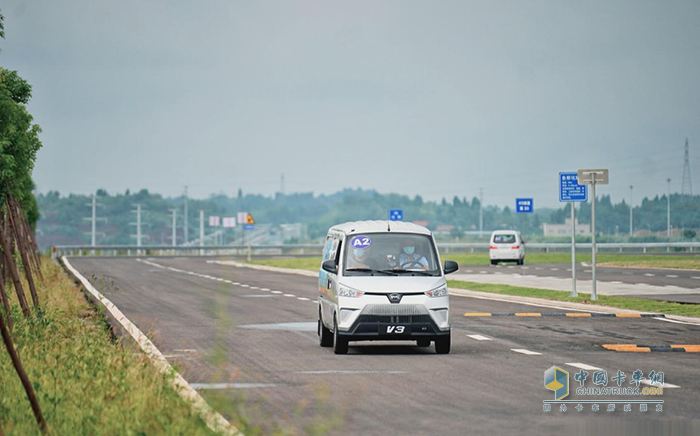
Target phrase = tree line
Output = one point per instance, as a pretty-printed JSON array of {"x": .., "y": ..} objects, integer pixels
[
  {"x": 63, "y": 217},
  {"x": 20, "y": 262}
]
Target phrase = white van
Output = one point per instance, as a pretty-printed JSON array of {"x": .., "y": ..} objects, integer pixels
[
  {"x": 382, "y": 280},
  {"x": 506, "y": 246}
]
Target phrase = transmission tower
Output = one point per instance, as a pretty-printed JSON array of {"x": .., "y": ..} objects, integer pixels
[{"x": 687, "y": 187}]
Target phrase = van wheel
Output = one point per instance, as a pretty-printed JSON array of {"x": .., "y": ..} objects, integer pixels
[
  {"x": 521, "y": 261},
  {"x": 423, "y": 342},
  {"x": 340, "y": 344},
  {"x": 442, "y": 344},
  {"x": 325, "y": 336},
  {"x": 494, "y": 262}
]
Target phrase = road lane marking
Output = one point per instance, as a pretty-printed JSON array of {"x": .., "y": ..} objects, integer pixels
[
  {"x": 650, "y": 275},
  {"x": 615, "y": 283},
  {"x": 480, "y": 338},
  {"x": 554, "y": 269},
  {"x": 659, "y": 385},
  {"x": 245, "y": 286},
  {"x": 259, "y": 296},
  {"x": 302, "y": 298},
  {"x": 211, "y": 417},
  {"x": 527, "y": 352},
  {"x": 340, "y": 371},
  {"x": 585, "y": 367},
  {"x": 253, "y": 288},
  {"x": 289, "y": 295},
  {"x": 671, "y": 276},
  {"x": 696, "y": 278},
  {"x": 264, "y": 289},
  {"x": 276, "y": 292}
]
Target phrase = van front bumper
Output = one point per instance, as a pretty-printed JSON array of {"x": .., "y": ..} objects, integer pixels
[{"x": 376, "y": 328}]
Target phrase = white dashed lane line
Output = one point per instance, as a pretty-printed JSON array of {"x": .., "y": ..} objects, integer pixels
[
  {"x": 584, "y": 366},
  {"x": 526, "y": 352},
  {"x": 242, "y": 285},
  {"x": 671, "y": 276},
  {"x": 650, "y": 275},
  {"x": 480, "y": 338}
]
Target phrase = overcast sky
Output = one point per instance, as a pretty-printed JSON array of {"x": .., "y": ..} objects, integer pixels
[{"x": 415, "y": 97}]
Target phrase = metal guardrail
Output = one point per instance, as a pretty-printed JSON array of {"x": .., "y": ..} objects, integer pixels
[{"x": 315, "y": 249}]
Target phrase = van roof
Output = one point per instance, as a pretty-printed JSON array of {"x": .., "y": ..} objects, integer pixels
[
  {"x": 505, "y": 232},
  {"x": 379, "y": 227}
]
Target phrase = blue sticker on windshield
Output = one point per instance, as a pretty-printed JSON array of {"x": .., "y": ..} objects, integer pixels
[{"x": 361, "y": 242}]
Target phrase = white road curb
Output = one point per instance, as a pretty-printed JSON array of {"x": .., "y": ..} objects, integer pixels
[{"x": 211, "y": 418}]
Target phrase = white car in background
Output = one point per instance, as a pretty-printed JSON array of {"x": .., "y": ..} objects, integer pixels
[{"x": 506, "y": 246}]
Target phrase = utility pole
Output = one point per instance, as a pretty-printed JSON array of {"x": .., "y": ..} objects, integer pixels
[
  {"x": 174, "y": 227},
  {"x": 138, "y": 225},
  {"x": 687, "y": 186},
  {"x": 481, "y": 211},
  {"x": 93, "y": 221},
  {"x": 668, "y": 209},
  {"x": 186, "y": 215},
  {"x": 201, "y": 228},
  {"x": 631, "y": 196}
]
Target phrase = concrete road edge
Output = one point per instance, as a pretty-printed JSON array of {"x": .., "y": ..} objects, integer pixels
[{"x": 215, "y": 421}]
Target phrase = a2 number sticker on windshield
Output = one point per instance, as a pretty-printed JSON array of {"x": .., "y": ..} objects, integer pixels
[{"x": 361, "y": 242}]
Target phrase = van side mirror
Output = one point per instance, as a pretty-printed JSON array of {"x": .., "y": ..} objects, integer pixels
[
  {"x": 451, "y": 267},
  {"x": 330, "y": 266}
]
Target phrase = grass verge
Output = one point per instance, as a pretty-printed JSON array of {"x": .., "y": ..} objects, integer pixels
[
  {"x": 86, "y": 383},
  {"x": 603, "y": 259},
  {"x": 640, "y": 304}
]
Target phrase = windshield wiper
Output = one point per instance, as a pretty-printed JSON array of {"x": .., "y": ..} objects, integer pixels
[
  {"x": 370, "y": 270},
  {"x": 422, "y": 273}
]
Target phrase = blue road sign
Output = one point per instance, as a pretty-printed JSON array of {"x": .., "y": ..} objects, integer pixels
[
  {"x": 524, "y": 205},
  {"x": 570, "y": 190},
  {"x": 396, "y": 215},
  {"x": 248, "y": 226}
]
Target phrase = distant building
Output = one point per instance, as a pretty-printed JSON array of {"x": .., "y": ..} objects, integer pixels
[
  {"x": 565, "y": 229},
  {"x": 444, "y": 230}
]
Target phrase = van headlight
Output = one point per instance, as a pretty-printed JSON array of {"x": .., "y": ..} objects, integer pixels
[
  {"x": 344, "y": 291},
  {"x": 437, "y": 292}
]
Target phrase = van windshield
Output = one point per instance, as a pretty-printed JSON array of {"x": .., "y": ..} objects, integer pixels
[
  {"x": 390, "y": 254},
  {"x": 504, "y": 239}
]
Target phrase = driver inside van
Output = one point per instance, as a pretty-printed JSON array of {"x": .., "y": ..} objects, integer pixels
[{"x": 409, "y": 258}]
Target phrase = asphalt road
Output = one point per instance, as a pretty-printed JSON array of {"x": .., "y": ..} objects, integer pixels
[
  {"x": 254, "y": 332},
  {"x": 686, "y": 283}
]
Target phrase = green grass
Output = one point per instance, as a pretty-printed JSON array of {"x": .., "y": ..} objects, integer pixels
[
  {"x": 86, "y": 383},
  {"x": 639, "y": 304},
  {"x": 603, "y": 259}
]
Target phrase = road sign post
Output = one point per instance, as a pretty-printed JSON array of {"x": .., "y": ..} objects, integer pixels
[
  {"x": 571, "y": 192},
  {"x": 593, "y": 178}
]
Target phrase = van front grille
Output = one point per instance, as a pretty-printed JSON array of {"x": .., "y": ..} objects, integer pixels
[{"x": 393, "y": 319}]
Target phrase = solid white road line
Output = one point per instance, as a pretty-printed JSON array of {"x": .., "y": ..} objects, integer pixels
[
  {"x": 480, "y": 338},
  {"x": 658, "y": 385},
  {"x": 213, "y": 419},
  {"x": 527, "y": 352},
  {"x": 584, "y": 366}
]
